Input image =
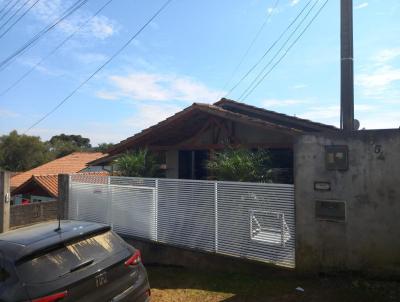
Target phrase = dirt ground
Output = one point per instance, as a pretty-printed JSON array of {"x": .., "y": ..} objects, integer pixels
[{"x": 172, "y": 284}]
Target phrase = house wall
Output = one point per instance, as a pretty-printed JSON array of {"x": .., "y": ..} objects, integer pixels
[
  {"x": 368, "y": 239},
  {"x": 172, "y": 161},
  {"x": 251, "y": 135},
  {"x": 21, "y": 215},
  {"x": 246, "y": 135}
]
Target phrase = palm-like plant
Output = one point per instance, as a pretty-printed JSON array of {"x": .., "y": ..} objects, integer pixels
[
  {"x": 140, "y": 163},
  {"x": 241, "y": 165}
]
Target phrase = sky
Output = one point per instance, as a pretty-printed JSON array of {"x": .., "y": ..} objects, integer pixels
[{"x": 191, "y": 53}]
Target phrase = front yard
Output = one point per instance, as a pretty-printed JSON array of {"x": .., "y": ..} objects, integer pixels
[{"x": 173, "y": 284}]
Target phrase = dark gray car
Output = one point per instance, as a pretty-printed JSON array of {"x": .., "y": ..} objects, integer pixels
[{"x": 82, "y": 261}]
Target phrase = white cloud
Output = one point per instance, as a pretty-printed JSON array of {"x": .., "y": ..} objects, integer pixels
[
  {"x": 299, "y": 86},
  {"x": 361, "y": 5},
  {"x": 331, "y": 113},
  {"x": 294, "y": 2},
  {"x": 282, "y": 103},
  {"x": 147, "y": 115},
  {"x": 387, "y": 55},
  {"x": 321, "y": 113},
  {"x": 4, "y": 113},
  {"x": 383, "y": 120},
  {"x": 159, "y": 87},
  {"x": 380, "y": 78},
  {"x": 377, "y": 82},
  {"x": 99, "y": 26}
]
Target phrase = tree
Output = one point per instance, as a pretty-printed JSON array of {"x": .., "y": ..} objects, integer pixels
[
  {"x": 22, "y": 152},
  {"x": 140, "y": 163},
  {"x": 63, "y": 144},
  {"x": 241, "y": 165},
  {"x": 103, "y": 147}
]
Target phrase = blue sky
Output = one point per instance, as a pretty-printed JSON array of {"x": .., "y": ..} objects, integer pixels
[{"x": 188, "y": 54}]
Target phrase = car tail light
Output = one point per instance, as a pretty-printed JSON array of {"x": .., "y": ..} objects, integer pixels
[
  {"x": 52, "y": 298},
  {"x": 135, "y": 259}
]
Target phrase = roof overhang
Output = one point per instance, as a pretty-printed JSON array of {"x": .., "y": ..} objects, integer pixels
[{"x": 144, "y": 137}]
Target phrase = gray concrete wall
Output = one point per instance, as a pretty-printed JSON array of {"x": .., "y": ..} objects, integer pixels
[
  {"x": 21, "y": 215},
  {"x": 369, "y": 238},
  {"x": 162, "y": 254}
]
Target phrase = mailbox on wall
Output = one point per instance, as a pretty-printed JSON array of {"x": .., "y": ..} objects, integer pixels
[
  {"x": 331, "y": 210},
  {"x": 337, "y": 157}
]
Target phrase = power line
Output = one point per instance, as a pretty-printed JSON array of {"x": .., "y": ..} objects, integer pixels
[
  {"x": 244, "y": 56},
  {"x": 15, "y": 13},
  {"x": 102, "y": 66},
  {"x": 269, "y": 49},
  {"x": 55, "y": 49},
  {"x": 78, "y": 4},
  {"x": 18, "y": 19},
  {"x": 5, "y": 6},
  {"x": 281, "y": 48},
  {"x": 10, "y": 9},
  {"x": 289, "y": 48}
]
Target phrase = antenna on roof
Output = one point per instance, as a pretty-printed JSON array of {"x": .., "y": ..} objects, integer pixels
[{"x": 59, "y": 222}]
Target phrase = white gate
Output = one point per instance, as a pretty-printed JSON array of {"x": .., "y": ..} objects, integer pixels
[{"x": 250, "y": 220}]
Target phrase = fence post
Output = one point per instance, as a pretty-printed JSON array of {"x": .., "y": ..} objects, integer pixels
[
  {"x": 63, "y": 195},
  {"x": 216, "y": 215},
  {"x": 156, "y": 208},
  {"x": 109, "y": 203},
  {"x": 5, "y": 198}
]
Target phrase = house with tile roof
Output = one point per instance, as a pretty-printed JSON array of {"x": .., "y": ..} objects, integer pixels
[
  {"x": 41, "y": 183},
  {"x": 188, "y": 138}
]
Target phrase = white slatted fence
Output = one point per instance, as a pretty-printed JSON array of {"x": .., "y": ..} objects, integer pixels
[{"x": 249, "y": 220}]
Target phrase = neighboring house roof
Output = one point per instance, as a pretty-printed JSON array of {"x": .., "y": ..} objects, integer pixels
[
  {"x": 224, "y": 108},
  {"x": 72, "y": 163},
  {"x": 49, "y": 183}
]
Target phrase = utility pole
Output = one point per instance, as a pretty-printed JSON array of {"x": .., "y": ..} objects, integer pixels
[
  {"x": 347, "y": 66},
  {"x": 4, "y": 201}
]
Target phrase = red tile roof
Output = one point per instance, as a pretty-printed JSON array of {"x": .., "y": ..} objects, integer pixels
[
  {"x": 50, "y": 182},
  {"x": 72, "y": 163}
]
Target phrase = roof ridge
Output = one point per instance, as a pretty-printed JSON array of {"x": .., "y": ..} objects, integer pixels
[{"x": 225, "y": 100}]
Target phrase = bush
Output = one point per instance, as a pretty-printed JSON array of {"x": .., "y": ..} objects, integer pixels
[
  {"x": 140, "y": 163},
  {"x": 241, "y": 165}
]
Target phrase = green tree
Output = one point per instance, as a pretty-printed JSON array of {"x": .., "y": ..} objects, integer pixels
[
  {"x": 63, "y": 144},
  {"x": 22, "y": 152},
  {"x": 140, "y": 163},
  {"x": 103, "y": 147},
  {"x": 241, "y": 165}
]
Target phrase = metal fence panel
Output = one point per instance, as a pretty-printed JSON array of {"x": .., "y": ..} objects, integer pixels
[
  {"x": 186, "y": 213},
  {"x": 250, "y": 220},
  {"x": 89, "y": 201},
  {"x": 133, "y": 181},
  {"x": 257, "y": 221},
  {"x": 133, "y": 211}
]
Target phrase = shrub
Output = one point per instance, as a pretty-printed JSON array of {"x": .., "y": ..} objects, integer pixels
[
  {"x": 241, "y": 165},
  {"x": 140, "y": 163}
]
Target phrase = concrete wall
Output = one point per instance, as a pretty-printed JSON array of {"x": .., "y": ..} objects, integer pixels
[
  {"x": 369, "y": 238},
  {"x": 162, "y": 254},
  {"x": 32, "y": 213}
]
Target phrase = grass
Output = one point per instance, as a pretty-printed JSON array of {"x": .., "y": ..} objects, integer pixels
[{"x": 173, "y": 284}]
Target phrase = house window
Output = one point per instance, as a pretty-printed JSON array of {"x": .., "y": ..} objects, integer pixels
[{"x": 269, "y": 227}]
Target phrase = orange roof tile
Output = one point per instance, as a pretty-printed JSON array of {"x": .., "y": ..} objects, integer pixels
[
  {"x": 50, "y": 182},
  {"x": 72, "y": 163}
]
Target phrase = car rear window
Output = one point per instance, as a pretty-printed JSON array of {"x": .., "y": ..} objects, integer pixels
[{"x": 68, "y": 257}]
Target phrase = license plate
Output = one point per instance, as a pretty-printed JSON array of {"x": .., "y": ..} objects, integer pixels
[{"x": 101, "y": 279}]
